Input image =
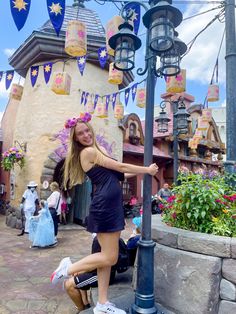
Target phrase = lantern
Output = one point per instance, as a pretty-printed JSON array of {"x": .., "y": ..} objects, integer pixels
[
  {"x": 76, "y": 39},
  {"x": 213, "y": 93},
  {"x": 163, "y": 119},
  {"x": 61, "y": 83},
  {"x": 176, "y": 84},
  {"x": 101, "y": 110},
  {"x": 182, "y": 116},
  {"x": 198, "y": 134},
  {"x": 193, "y": 143},
  {"x": 141, "y": 97},
  {"x": 202, "y": 125},
  {"x": 16, "y": 91},
  {"x": 89, "y": 105},
  {"x": 115, "y": 76},
  {"x": 207, "y": 114},
  {"x": 119, "y": 111},
  {"x": 111, "y": 30}
]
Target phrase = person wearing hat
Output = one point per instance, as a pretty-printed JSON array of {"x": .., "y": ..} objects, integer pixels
[{"x": 29, "y": 203}]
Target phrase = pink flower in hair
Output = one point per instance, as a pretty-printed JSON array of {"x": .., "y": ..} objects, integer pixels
[{"x": 83, "y": 117}]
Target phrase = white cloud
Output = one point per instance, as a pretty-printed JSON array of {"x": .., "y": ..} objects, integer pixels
[
  {"x": 201, "y": 59},
  {"x": 9, "y": 51}
]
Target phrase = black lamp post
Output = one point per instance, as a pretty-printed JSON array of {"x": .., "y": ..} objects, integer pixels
[{"x": 160, "y": 20}]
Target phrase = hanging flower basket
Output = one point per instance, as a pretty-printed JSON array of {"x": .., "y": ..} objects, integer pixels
[{"x": 11, "y": 157}]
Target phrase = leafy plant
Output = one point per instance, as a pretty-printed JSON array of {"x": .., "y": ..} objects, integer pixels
[
  {"x": 204, "y": 203},
  {"x": 11, "y": 157}
]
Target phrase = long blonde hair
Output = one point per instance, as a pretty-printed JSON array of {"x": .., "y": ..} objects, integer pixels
[{"x": 73, "y": 171}]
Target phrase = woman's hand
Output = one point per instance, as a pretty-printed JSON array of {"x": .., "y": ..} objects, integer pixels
[{"x": 153, "y": 169}]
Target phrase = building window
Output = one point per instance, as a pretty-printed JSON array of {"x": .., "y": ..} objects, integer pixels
[{"x": 132, "y": 129}]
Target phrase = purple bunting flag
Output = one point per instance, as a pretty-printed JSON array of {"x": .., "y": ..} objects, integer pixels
[
  {"x": 95, "y": 100},
  {"x": 1, "y": 75},
  {"x": 102, "y": 56},
  {"x": 107, "y": 101},
  {"x": 82, "y": 98},
  {"x": 135, "y": 18},
  {"x": 86, "y": 99},
  {"x": 9, "y": 78},
  {"x": 56, "y": 11},
  {"x": 113, "y": 101},
  {"x": 19, "y": 11},
  {"x": 127, "y": 91},
  {"x": 134, "y": 90},
  {"x": 81, "y": 64},
  {"x": 47, "y": 70},
  {"x": 34, "y": 72}
]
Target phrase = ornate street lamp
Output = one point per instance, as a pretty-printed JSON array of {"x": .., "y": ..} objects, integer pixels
[
  {"x": 163, "y": 119},
  {"x": 160, "y": 20},
  {"x": 182, "y": 116}
]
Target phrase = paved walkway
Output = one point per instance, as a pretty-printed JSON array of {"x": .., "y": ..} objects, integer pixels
[{"x": 24, "y": 273}]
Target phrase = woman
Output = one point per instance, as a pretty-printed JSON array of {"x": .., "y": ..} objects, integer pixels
[
  {"x": 54, "y": 204},
  {"x": 106, "y": 216}
]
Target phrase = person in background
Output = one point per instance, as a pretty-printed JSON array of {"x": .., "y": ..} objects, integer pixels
[
  {"x": 164, "y": 193},
  {"x": 54, "y": 205},
  {"x": 28, "y": 206},
  {"x": 64, "y": 209}
]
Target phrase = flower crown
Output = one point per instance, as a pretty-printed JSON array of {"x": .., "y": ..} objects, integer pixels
[{"x": 83, "y": 117}]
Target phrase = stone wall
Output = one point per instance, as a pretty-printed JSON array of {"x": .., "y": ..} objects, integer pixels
[{"x": 195, "y": 273}]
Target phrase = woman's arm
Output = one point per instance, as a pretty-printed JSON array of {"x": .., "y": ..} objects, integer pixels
[{"x": 91, "y": 156}]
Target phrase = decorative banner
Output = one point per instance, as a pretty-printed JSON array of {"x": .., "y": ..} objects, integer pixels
[
  {"x": 1, "y": 75},
  {"x": 61, "y": 83},
  {"x": 213, "y": 92},
  {"x": 34, "y": 72},
  {"x": 56, "y": 11},
  {"x": 207, "y": 114},
  {"x": 82, "y": 98},
  {"x": 86, "y": 98},
  {"x": 81, "y": 61},
  {"x": 134, "y": 90},
  {"x": 135, "y": 18},
  {"x": 114, "y": 100},
  {"x": 76, "y": 38},
  {"x": 107, "y": 101},
  {"x": 95, "y": 100},
  {"x": 9, "y": 78},
  {"x": 16, "y": 91},
  {"x": 176, "y": 84},
  {"x": 20, "y": 10},
  {"x": 127, "y": 91},
  {"x": 47, "y": 70},
  {"x": 102, "y": 56}
]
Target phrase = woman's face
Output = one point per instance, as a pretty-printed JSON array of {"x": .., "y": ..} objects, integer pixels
[{"x": 83, "y": 134}]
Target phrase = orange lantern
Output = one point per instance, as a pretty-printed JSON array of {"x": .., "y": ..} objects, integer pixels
[
  {"x": 141, "y": 97},
  {"x": 193, "y": 143},
  {"x": 101, "y": 110},
  {"x": 176, "y": 84},
  {"x": 76, "y": 39},
  {"x": 89, "y": 105},
  {"x": 61, "y": 83},
  {"x": 112, "y": 29},
  {"x": 115, "y": 76},
  {"x": 202, "y": 124},
  {"x": 207, "y": 114},
  {"x": 16, "y": 91},
  {"x": 213, "y": 93},
  {"x": 119, "y": 111}
]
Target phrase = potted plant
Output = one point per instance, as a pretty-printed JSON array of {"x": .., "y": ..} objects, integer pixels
[{"x": 11, "y": 157}]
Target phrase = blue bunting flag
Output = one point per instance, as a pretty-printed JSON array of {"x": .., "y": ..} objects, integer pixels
[
  {"x": 102, "y": 56},
  {"x": 114, "y": 100},
  {"x": 81, "y": 61},
  {"x": 134, "y": 90},
  {"x": 1, "y": 75},
  {"x": 135, "y": 18},
  {"x": 19, "y": 11},
  {"x": 9, "y": 78},
  {"x": 107, "y": 101},
  {"x": 47, "y": 70},
  {"x": 34, "y": 72},
  {"x": 95, "y": 100},
  {"x": 56, "y": 11},
  {"x": 127, "y": 91},
  {"x": 82, "y": 97}
]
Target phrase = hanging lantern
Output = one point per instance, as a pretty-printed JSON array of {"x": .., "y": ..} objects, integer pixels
[
  {"x": 119, "y": 111},
  {"x": 213, "y": 93},
  {"x": 16, "y": 91},
  {"x": 198, "y": 134},
  {"x": 115, "y": 76},
  {"x": 207, "y": 114},
  {"x": 76, "y": 39},
  {"x": 61, "y": 83},
  {"x": 111, "y": 30},
  {"x": 202, "y": 125},
  {"x": 141, "y": 97},
  {"x": 176, "y": 84},
  {"x": 193, "y": 143},
  {"x": 89, "y": 105},
  {"x": 101, "y": 111}
]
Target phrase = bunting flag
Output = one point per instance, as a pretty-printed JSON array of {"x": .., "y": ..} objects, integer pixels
[
  {"x": 134, "y": 90},
  {"x": 56, "y": 11},
  {"x": 114, "y": 100},
  {"x": 1, "y": 75},
  {"x": 135, "y": 18},
  {"x": 81, "y": 61},
  {"x": 127, "y": 91},
  {"x": 107, "y": 101},
  {"x": 47, "y": 70},
  {"x": 19, "y": 11},
  {"x": 95, "y": 100},
  {"x": 82, "y": 97},
  {"x": 9, "y": 78},
  {"x": 86, "y": 98},
  {"x": 34, "y": 72},
  {"x": 102, "y": 56}
]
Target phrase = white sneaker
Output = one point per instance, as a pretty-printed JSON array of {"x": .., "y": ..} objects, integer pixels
[
  {"x": 108, "y": 307},
  {"x": 61, "y": 271}
]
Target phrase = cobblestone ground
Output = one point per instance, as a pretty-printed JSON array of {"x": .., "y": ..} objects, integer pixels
[{"x": 24, "y": 272}]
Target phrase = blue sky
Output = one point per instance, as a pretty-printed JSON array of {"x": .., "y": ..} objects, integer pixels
[{"x": 198, "y": 63}]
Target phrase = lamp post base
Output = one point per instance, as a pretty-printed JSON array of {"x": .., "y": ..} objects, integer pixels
[
  {"x": 230, "y": 166},
  {"x": 136, "y": 309}
]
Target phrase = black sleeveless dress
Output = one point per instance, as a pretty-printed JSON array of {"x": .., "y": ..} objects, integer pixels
[{"x": 106, "y": 213}]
